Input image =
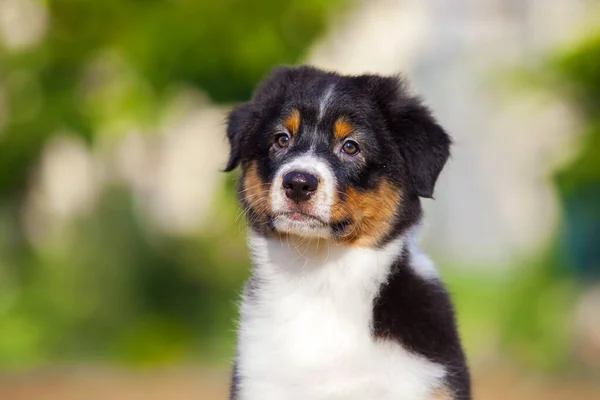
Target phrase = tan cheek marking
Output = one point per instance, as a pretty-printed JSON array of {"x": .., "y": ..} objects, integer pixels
[
  {"x": 292, "y": 122},
  {"x": 372, "y": 214},
  {"x": 342, "y": 128},
  {"x": 256, "y": 191}
]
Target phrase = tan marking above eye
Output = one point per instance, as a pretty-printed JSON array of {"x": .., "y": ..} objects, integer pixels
[
  {"x": 342, "y": 128},
  {"x": 292, "y": 122}
]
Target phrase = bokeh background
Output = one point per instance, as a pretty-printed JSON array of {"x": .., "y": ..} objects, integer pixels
[{"x": 122, "y": 251}]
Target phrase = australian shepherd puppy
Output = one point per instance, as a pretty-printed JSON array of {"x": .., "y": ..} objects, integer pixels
[{"x": 341, "y": 303}]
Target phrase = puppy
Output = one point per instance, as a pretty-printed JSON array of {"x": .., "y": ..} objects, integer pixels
[{"x": 341, "y": 303}]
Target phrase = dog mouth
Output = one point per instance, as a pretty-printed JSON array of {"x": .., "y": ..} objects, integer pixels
[
  {"x": 303, "y": 217},
  {"x": 300, "y": 223}
]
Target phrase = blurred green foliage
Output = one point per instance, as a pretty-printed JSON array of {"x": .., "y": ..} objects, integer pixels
[
  {"x": 221, "y": 47},
  {"x": 110, "y": 287},
  {"x": 537, "y": 327},
  {"x": 578, "y": 70}
]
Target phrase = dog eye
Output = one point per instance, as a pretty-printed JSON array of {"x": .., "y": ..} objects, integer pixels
[
  {"x": 282, "y": 140},
  {"x": 350, "y": 147}
]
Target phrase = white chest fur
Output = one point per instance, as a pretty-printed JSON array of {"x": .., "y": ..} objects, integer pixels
[{"x": 306, "y": 330}]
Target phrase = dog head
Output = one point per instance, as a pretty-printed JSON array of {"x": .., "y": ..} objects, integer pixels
[{"x": 344, "y": 158}]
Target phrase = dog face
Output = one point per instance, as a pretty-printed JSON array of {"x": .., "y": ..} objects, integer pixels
[{"x": 344, "y": 158}]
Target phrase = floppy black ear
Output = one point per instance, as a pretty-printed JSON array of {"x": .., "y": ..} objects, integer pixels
[
  {"x": 422, "y": 142},
  {"x": 237, "y": 124}
]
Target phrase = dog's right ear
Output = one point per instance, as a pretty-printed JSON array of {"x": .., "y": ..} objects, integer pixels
[{"x": 237, "y": 125}]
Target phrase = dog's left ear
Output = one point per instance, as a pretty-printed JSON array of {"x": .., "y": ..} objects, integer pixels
[
  {"x": 237, "y": 125},
  {"x": 423, "y": 143}
]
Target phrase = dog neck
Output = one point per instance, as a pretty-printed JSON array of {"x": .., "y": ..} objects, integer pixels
[
  {"x": 292, "y": 258},
  {"x": 311, "y": 262}
]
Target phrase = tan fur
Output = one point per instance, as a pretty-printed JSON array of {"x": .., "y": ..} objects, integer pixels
[
  {"x": 442, "y": 394},
  {"x": 292, "y": 122},
  {"x": 342, "y": 129},
  {"x": 256, "y": 193},
  {"x": 372, "y": 214}
]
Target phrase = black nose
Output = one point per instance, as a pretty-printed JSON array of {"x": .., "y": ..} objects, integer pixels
[{"x": 299, "y": 186}]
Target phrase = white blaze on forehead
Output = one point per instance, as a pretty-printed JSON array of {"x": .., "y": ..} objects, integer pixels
[
  {"x": 325, "y": 101},
  {"x": 321, "y": 201}
]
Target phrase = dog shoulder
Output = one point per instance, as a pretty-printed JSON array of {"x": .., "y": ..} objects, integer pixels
[{"x": 414, "y": 309}]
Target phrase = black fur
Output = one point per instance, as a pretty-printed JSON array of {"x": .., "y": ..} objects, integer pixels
[
  {"x": 237, "y": 124},
  {"x": 419, "y": 314},
  {"x": 235, "y": 383},
  {"x": 424, "y": 144},
  {"x": 400, "y": 139},
  {"x": 400, "y": 142}
]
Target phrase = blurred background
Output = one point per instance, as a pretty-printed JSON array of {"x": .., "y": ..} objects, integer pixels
[{"x": 122, "y": 252}]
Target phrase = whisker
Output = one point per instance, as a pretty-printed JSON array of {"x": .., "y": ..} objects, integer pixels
[{"x": 252, "y": 187}]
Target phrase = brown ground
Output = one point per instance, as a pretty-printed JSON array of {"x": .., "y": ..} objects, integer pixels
[{"x": 196, "y": 384}]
